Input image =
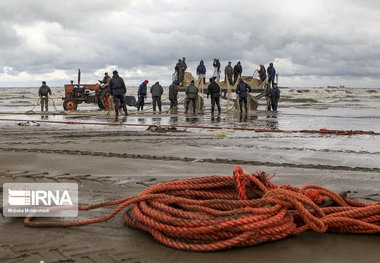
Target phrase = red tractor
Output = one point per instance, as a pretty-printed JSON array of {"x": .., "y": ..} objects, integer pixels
[{"x": 88, "y": 93}]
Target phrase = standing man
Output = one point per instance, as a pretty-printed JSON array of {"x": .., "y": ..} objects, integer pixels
[
  {"x": 173, "y": 95},
  {"x": 229, "y": 71},
  {"x": 182, "y": 69},
  {"x": 271, "y": 74},
  {"x": 238, "y": 70},
  {"x": 117, "y": 91},
  {"x": 201, "y": 72},
  {"x": 141, "y": 94},
  {"x": 44, "y": 93},
  {"x": 191, "y": 95},
  {"x": 105, "y": 80},
  {"x": 156, "y": 91},
  {"x": 213, "y": 89},
  {"x": 242, "y": 90},
  {"x": 275, "y": 97}
]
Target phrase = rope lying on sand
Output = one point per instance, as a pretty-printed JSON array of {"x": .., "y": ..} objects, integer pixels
[
  {"x": 218, "y": 212},
  {"x": 321, "y": 131}
]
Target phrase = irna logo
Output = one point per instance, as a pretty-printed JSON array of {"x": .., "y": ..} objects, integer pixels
[{"x": 39, "y": 197}]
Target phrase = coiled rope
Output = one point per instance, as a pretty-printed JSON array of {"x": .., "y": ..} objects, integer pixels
[{"x": 218, "y": 212}]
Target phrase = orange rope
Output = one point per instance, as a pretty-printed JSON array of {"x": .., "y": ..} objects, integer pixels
[{"x": 219, "y": 212}]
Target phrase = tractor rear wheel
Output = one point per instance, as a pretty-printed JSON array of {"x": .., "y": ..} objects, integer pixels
[
  {"x": 70, "y": 104},
  {"x": 105, "y": 99}
]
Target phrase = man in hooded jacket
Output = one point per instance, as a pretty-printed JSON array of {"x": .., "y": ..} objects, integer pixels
[
  {"x": 213, "y": 90},
  {"x": 201, "y": 72},
  {"x": 271, "y": 74},
  {"x": 156, "y": 91},
  {"x": 117, "y": 91}
]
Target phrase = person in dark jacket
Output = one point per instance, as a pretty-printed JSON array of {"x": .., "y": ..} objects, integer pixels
[
  {"x": 238, "y": 70},
  {"x": 156, "y": 91},
  {"x": 262, "y": 73},
  {"x": 191, "y": 95},
  {"x": 216, "y": 64},
  {"x": 275, "y": 97},
  {"x": 242, "y": 90},
  {"x": 229, "y": 71},
  {"x": 213, "y": 90},
  {"x": 117, "y": 91},
  {"x": 173, "y": 95},
  {"x": 141, "y": 94},
  {"x": 44, "y": 93},
  {"x": 201, "y": 71},
  {"x": 271, "y": 74}
]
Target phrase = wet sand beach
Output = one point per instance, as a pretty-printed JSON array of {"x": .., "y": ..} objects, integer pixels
[{"x": 113, "y": 162}]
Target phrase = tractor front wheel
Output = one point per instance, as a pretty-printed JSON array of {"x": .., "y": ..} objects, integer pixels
[
  {"x": 105, "y": 99},
  {"x": 70, "y": 104}
]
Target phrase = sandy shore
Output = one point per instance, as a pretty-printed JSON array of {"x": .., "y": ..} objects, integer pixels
[{"x": 110, "y": 163}]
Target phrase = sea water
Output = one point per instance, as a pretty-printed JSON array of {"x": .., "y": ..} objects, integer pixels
[{"x": 299, "y": 109}]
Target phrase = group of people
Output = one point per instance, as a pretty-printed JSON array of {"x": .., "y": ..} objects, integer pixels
[
  {"x": 117, "y": 88},
  {"x": 229, "y": 72}
]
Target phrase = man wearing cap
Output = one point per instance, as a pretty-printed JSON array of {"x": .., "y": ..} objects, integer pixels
[
  {"x": 44, "y": 93},
  {"x": 191, "y": 95},
  {"x": 238, "y": 70},
  {"x": 105, "y": 80},
  {"x": 173, "y": 95},
  {"x": 117, "y": 91},
  {"x": 141, "y": 94}
]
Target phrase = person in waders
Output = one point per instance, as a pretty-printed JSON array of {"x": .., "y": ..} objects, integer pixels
[
  {"x": 173, "y": 95},
  {"x": 44, "y": 93},
  {"x": 191, "y": 95},
  {"x": 268, "y": 95},
  {"x": 213, "y": 90},
  {"x": 242, "y": 90},
  {"x": 156, "y": 91},
  {"x": 275, "y": 97}
]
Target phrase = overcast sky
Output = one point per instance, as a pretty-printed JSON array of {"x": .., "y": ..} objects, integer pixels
[{"x": 311, "y": 42}]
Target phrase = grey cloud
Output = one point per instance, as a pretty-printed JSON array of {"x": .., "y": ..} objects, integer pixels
[{"x": 320, "y": 38}]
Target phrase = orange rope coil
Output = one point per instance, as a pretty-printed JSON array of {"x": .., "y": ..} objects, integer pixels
[{"x": 218, "y": 212}]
